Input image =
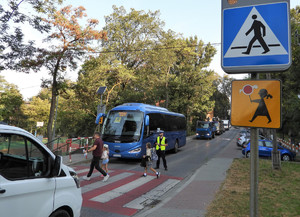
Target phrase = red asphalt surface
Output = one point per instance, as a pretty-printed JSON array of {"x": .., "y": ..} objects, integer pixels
[{"x": 116, "y": 205}]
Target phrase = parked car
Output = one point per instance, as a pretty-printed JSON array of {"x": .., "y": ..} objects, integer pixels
[
  {"x": 34, "y": 181},
  {"x": 265, "y": 148},
  {"x": 245, "y": 132},
  {"x": 242, "y": 141}
]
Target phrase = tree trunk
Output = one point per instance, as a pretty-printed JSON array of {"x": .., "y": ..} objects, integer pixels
[
  {"x": 52, "y": 107},
  {"x": 167, "y": 87},
  {"x": 52, "y": 112}
]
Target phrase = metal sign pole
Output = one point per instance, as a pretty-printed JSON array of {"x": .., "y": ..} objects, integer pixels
[{"x": 254, "y": 173}]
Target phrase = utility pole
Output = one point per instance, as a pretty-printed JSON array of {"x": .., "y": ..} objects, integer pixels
[{"x": 254, "y": 166}]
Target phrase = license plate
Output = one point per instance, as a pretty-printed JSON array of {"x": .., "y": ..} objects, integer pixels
[{"x": 117, "y": 155}]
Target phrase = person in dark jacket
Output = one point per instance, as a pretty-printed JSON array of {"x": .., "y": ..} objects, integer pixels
[{"x": 97, "y": 150}]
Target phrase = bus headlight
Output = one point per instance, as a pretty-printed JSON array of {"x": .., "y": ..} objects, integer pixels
[{"x": 137, "y": 150}]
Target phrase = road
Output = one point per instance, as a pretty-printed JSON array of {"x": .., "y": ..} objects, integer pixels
[{"x": 126, "y": 193}]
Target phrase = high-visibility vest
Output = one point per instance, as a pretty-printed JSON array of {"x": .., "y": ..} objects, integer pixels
[{"x": 162, "y": 142}]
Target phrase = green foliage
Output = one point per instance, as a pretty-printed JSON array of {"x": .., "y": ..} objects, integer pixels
[
  {"x": 13, "y": 48},
  {"x": 221, "y": 97},
  {"x": 37, "y": 110},
  {"x": 10, "y": 103},
  {"x": 290, "y": 83},
  {"x": 169, "y": 70}
]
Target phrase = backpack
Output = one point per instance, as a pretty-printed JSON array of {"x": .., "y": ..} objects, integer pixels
[{"x": 153, "y": 154}]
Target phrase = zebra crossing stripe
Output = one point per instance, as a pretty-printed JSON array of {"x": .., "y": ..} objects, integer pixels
[
  {"x": 153, "y": 195},
  {"x": 117, "y": 192},
  {"x": 82, "y": 171},
  {"x": 98, "y": 184},
  {"x": 130, "y": 190}
]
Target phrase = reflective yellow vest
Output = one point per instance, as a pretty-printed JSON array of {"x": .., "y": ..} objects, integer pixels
[{"x": 162, "y": 142}]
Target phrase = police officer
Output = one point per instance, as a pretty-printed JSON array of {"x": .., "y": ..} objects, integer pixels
[{"x": 161, "y": 143}]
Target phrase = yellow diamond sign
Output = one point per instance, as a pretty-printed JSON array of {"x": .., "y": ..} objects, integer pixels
[{"x": 256, "y": 103}]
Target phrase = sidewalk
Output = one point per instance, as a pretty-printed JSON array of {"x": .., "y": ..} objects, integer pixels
[
  {"x": 194, "y": 196},
  {"x": 76, "y": 158}
]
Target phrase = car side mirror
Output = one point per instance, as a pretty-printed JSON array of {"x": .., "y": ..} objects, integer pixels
[{"x": 56, "y": 169}]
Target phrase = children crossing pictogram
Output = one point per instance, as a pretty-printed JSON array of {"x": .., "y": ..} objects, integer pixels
[
  {"x": 256, "y": 103},
  {"x": 262, "y": 109},
  {"x": 125, "y": 193}
]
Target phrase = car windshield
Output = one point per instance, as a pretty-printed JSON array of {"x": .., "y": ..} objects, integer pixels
[
  {"x": 202, "y": 124},
  {"x": 123, "y": 126}
]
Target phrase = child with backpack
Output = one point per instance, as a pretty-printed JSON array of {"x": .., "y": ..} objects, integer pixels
[{"x": 149, "y": 157}]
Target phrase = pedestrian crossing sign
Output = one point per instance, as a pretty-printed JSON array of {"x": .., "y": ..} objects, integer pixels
[
  {"x": 256, "y": 103},
  {"x": 256, "y": 38}
]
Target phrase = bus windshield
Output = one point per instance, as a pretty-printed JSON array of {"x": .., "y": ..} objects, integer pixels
[
  {"x": 123, "y": 126},
  {"x": 204, "y": 125}
]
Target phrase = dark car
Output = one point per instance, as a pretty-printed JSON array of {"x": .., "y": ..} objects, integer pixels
[{"x": 265, "y": 148}]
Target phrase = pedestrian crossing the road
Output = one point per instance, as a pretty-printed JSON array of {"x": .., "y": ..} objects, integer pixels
[{"x": 125, "y": 192}]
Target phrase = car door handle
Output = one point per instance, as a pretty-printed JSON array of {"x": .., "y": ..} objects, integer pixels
[{"x": 2, "y": 191}]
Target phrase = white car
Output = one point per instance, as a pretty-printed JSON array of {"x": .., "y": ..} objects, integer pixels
[
  {"x": 243, "y": 140},
  {"x": 33, "y": 181}
]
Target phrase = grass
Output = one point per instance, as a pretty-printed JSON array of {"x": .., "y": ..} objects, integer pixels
[{"x": 279, "y": 191}]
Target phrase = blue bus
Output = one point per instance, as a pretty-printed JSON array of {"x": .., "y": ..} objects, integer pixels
[{"x": 128, "y": 127}]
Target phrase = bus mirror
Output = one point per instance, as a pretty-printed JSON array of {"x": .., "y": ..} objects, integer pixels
[
  {"x": 147, "y": 120},
  {"x": 100, "y": 118}
]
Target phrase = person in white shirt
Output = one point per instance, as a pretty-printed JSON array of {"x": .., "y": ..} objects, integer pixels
[{"x": 105, "y": 158}]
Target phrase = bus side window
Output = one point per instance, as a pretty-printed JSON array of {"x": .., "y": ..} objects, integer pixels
[{"x": 156, "y": 121}]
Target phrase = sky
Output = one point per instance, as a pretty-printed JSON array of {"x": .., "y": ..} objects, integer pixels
[{"x": 190, "y": 17}]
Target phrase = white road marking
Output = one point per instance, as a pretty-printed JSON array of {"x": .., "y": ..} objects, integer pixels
[
  {"x": 82, "y": 171},
  {"x": 117, "y": 192},
  {"x": 154, "y": 194},
  {"x": 111, "y": 179}
]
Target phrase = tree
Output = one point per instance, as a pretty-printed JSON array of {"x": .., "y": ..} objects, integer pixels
[
  {"x": 143, "y": 63},
  {"x": 70, "y": 42},
  {"x": 290, "y": 82},
  {"x": 10, "y": 103},
  {"x": 120, "y": 65},
  {"x": 12, "y": 18},
  {"x": 37, "y": 110},
  {"x": 221, "y": 97},
  {"x": 192, "y": 85}
]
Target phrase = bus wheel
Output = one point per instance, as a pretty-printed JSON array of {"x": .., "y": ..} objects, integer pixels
[{"x": 176, "y": 147}]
